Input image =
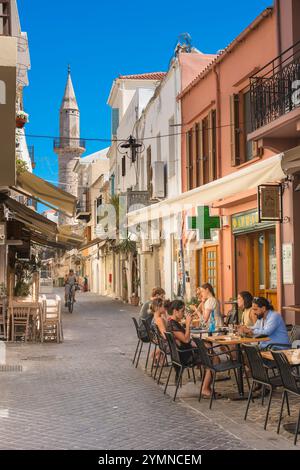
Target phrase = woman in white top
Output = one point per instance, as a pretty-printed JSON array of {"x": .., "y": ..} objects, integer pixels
[{"x": 210, "y": 304}]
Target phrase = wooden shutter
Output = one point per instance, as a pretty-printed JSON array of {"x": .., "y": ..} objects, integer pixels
[
  {"x": 187, "y": 164},
  {"x": 200, "y": 152},
  {"x": 194, "y": 155},
  {"x": 149, "y": 170},
  {"x": 234, "y": 128},
  {"x": 123, "y": 165},
  {"x": 212, "y": 144}
]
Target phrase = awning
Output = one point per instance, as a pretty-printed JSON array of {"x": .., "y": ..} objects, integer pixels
[
  {"x": 66, "y": 234},
  {"x": 47, "y": 193},
  {"x": 266, "y": 171},
  {"x": 36, "y": 222},
  {"x": 96, "y": 241},
  {"x": 291, "y": 161}
]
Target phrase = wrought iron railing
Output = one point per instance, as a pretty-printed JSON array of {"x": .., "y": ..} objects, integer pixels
[
  {"x": 63, "y": 142},
  {"x": 273, "y": 89}
]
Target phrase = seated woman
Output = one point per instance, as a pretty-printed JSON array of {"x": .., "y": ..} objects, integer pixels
[
  {"x": 159, "y": 324},
  {"x": 245, "y": 304},
  {"x": 210, "y": 304},
  {"x": 182, "y": 334}
]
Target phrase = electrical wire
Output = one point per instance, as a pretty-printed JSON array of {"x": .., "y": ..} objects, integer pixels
[{"x": 95, "y": 139}]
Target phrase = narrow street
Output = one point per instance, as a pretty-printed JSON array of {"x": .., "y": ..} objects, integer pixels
[{"x": 85, "y": 393}]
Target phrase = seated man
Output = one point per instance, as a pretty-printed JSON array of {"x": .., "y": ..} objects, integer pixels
[
  {"x": 269, "y": 324},
  {"x": 70, "y": 284}
]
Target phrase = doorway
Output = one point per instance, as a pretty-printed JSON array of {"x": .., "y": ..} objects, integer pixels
[{"x": 256, "y": 264}]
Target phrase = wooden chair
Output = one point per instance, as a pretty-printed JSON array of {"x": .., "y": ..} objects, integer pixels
[
  {"x": 3, "y": 318},
  {"x": 51, "y": 324},
  {"x": 20, "y": 317}
]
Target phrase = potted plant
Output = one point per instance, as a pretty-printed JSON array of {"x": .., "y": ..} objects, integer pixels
[{"x": 21, "y": 119}]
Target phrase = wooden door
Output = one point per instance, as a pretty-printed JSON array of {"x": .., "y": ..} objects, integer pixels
[{"x": 210, "y": 266}]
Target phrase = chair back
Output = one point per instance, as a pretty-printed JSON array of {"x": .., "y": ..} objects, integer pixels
[
  {"x": 256, "y": 364},
  {"x": 175, "y": 357},
  {"x": 203, "y": 354},
  {"x": 51, "y": 310},
  {"x": 294, "y": 334},
  {"x": 149, "y": 333},
  {"x": 286, "y": 372},
  {"x": 136, "y": 325},
  {"x": 160, "y": 341},
  {"x": 20, "y": 313}
]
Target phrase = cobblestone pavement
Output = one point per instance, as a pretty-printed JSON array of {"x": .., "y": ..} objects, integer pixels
[{"x": 85, "y": 394}]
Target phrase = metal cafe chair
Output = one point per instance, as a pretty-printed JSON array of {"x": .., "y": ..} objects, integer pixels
[
  {"x": 141, "y": 341},
  {"x": 178, "y": 364},
  {"x": 260, "y": 376},
  {"x": 291, "y": 384}
]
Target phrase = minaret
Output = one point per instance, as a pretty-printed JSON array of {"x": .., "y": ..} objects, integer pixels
[{"x": 68, "y": 147}]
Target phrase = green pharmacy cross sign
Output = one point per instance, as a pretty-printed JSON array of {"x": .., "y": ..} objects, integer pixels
[{"x": 204, "y": 223}]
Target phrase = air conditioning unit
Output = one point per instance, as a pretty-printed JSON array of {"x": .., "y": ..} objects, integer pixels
[{"x": 158, "y": 180}]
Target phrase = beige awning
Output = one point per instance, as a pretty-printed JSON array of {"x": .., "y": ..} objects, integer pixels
[
  {"x": 36, "y": 222},
  {"x": 291, "y": 161},
  {"x": 67, "y": 235},
  {"x": 47, "y": 193},
  {"x": 96, "y": 241},
  {"x": 266, "y": 171}
]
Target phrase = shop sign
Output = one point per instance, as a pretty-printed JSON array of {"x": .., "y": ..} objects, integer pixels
[
  {"x": 287, "y": 263},
  {"x": 204, "y": 223},
  {"x": 270, "y": 202},
  {"x": 248, "y": 221}
]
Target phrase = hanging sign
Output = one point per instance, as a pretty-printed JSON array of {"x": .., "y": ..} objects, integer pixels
[{"x": 270, "y": 202}]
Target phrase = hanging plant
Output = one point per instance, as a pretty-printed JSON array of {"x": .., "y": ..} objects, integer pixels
[{"x": 21, "y": 166}]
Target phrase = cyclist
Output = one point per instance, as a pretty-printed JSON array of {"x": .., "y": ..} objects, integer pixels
[{"x": 70, "y": 285}]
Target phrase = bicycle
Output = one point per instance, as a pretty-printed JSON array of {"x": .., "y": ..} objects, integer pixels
[{"x": 70, "y": 301}]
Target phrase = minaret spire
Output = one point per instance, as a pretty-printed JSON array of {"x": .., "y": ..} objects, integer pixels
[{"x": 70, "y": 147}]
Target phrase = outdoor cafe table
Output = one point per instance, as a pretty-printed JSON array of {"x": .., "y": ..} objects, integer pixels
[
  {"x": 292, "y": 355},
  {"x": 233, "y": 340}
]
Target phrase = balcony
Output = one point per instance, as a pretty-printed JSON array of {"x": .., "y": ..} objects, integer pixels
[
  {"x": 83, "y": 210},
  {"x": 66, "y": 143},
  {"x": 275, "y": 102},
  {"x": 135, "y": 198}
]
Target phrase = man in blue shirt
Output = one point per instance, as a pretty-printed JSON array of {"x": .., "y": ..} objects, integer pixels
[{"x": 269, "y": 323}]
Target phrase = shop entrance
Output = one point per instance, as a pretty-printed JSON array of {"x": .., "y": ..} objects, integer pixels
[{"x": 256, "y": 264}]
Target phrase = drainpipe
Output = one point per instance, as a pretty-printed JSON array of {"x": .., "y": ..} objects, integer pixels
[
  {"x": 278, "y": 28},
  {"x": 219, "y": 173}
]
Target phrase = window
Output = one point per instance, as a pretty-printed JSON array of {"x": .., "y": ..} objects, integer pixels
[
  {"x": 242, "y": 150},
  {"x": 114, "y": 120},
  {"x": 201, "y": 152},
  {"x": 172, "y": 156},
  {"x": 149, "y": 170},
  {"x": 158, "y": 147},
  {"x": 112, "y": 185},
  {"x": 99, "y": 202},
  {"x": 123, "y": 165}
]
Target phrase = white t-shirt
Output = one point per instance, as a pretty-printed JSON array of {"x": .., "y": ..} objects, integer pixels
[{"x": 213, "y": 305}]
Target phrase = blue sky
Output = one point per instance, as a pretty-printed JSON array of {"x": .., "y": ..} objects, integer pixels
[{"x": 103, "y": 39}]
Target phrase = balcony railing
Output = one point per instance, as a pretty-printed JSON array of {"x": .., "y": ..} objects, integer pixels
[
  {"x": 273, "y": 89},
  {"x": 64, "y": 142}
]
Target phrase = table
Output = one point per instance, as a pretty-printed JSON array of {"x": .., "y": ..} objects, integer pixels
[
  {"x": 294, "y": 361},
  {"x": 293, "y": 308},
  {"x": 236, "y": 341}
]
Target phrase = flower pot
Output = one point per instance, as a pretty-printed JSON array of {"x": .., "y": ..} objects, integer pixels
[
  {"x": 20, "y": 123},
  {"x": 134, "y": 300}
]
